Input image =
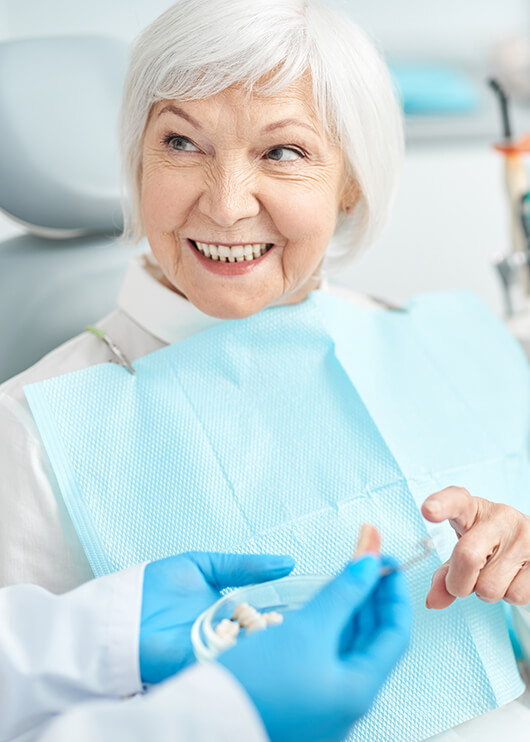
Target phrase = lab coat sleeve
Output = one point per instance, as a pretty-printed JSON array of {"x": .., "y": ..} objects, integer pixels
[
  {"x": 59, "y": 650},
  {"x": 204, "y": 702}
]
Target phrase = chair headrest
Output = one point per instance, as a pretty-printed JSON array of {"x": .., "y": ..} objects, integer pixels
[{"x": 59, "y": 161}]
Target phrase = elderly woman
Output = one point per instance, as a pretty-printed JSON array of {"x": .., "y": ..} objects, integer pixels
[{"x": 261, "y": 145}]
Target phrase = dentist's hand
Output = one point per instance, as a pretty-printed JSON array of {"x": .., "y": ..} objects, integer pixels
[
  {"x": 312, "y": 676},
  {"x": 177, "y": 589},
  {"x": 492, "y": 555}
]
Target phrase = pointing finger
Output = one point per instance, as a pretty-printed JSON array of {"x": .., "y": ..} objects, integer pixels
[{"x": 454, "y": 504}]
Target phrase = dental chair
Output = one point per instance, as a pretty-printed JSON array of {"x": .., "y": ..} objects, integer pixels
[{"x": 59, "y": 181}]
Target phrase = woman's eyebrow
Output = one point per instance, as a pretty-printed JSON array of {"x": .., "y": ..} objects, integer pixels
[
  {"x": 170, "y": 108},
  {"x": 287, "y": 122},
  {"x": 180, "y": 112}
]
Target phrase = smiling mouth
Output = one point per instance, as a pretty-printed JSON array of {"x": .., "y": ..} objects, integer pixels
[{"x": 233, "y": 254}]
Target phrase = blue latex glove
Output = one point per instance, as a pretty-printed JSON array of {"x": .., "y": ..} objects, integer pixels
[
  {"x": 312, "y": 676},
  {"x": 177, "y": 589}
]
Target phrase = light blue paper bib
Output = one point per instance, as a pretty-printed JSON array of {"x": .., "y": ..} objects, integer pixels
[{"x": 283, "y": 433}]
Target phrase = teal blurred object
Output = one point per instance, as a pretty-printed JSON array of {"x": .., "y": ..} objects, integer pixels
[{"x": 434, "y": 89}]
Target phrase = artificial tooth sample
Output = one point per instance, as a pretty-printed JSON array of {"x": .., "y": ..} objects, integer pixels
[
  {"x": 257, "y": 624},
  {"x": 273, "y": 618},
  {"x": 245, "y": 614},
  {"x": 247, "y": 617},
  {"x": 227, "y": 630}
]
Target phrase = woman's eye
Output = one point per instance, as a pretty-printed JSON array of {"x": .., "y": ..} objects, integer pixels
[
  {"x": 181, "y": 144},
  {"x": 279, "y": 154}
]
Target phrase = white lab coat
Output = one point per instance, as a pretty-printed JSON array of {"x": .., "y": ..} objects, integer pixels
[
  {"x": 68, "y": 662},
  {"x": 38, "y": 543}
]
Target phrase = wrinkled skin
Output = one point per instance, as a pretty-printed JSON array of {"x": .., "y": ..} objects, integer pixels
[
  {"x": 491, "y": 556},
  {"x": 230, "y": 182}
]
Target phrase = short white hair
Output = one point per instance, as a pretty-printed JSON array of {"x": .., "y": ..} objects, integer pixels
[{"x": 198, "y": 48}]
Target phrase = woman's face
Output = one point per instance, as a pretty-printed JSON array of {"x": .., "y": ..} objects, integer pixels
[{"x": 255, "y": 181}]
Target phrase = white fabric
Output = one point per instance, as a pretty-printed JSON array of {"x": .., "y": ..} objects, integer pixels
[
  {"x": 67, "y": 663},
  {"x": 202, "y": 704},
  {"x": 56, "y": 651},
  {"x": 38, "y": 543}
]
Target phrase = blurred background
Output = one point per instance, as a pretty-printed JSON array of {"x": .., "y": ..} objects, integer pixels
[{"x": 451, "y": 216}]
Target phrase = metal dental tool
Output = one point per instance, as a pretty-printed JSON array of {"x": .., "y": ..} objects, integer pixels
[{"x": 423, "y": 549}]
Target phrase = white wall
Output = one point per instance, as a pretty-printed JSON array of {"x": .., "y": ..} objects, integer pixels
[
  {"x": 449, "y": 221},
  {"x": 460, "y": 28},
  {"x": 122, "y": 18}
]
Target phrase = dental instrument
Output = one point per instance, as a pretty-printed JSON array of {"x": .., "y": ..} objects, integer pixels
[{"x": 422, "y": 550}]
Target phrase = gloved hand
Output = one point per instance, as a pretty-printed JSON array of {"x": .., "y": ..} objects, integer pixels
[
  {"x": 312, "y": 676},
  {"x": 177, "y": 589}
]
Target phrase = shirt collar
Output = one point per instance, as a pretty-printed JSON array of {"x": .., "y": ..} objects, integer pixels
[
  {"x": 170, "y": 317},
  {"x": 156, "y": 308}
]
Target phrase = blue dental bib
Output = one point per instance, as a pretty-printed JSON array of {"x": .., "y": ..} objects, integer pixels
[{"x": 284, "y": 432}]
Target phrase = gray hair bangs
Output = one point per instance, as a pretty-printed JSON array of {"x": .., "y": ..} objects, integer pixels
[{"x": 198, "y": 48}]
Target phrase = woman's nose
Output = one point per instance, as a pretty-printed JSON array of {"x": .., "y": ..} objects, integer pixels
[{"x": 229, "y": 195}]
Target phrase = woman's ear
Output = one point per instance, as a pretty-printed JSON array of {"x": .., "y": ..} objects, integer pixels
[{"x": 351, "y": 193}]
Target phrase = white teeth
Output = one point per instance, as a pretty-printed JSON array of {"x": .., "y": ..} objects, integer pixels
[{"x": 237, "y": 253}]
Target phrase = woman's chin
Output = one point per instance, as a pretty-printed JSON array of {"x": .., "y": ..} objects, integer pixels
[{"x": 227, "y": 307}]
